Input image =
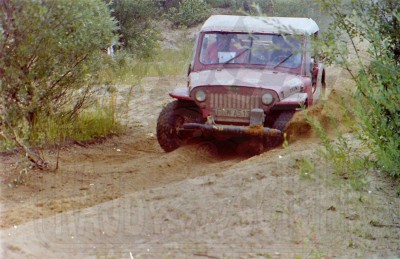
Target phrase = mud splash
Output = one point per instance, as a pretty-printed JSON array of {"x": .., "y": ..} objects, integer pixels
[{"x": 331, "y": 114}]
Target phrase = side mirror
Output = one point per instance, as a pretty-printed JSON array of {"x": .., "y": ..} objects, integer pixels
[
  {"x": 314, "y": 70},
  {"x": 312, "y": 63}
]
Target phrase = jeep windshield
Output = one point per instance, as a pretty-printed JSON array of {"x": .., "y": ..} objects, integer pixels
[{"x": 271, "y": 50}]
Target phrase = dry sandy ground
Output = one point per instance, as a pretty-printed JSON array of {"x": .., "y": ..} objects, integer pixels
[{"x": 126, "y": 198}]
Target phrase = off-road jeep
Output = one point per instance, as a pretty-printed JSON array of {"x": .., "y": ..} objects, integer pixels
[{"x": 247, "y": 78}]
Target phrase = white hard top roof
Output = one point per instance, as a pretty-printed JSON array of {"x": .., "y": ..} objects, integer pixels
[{"x": 258, "y": 24}]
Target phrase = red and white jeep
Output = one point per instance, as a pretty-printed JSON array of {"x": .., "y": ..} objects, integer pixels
[{"x": 247, "y": 78}]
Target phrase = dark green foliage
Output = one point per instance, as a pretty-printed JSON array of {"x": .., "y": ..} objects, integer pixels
[
  {"x": 221, "y": 3},
  {"x": 379, "y": 95},
  {"x": 189, "y": 13},
  {"x": 49, "y": 53},
  {"x": 375, "y": 70},
  {"x": 171, "y": 3},
  {"x": 388, "y": 19},
  {"x": 136, "y": 26}
]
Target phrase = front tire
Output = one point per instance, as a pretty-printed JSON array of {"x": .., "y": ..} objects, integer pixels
[
  {"x": 170, "y": 121},
  {"x": 281, "y": 122}
]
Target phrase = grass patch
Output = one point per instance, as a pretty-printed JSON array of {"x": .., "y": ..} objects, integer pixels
[
  {"x": 307, "y": 169},
  {"x": 98, "y": 122},
  {"x": 89, "y": 125},
  {"x": 95, "y": 124}
]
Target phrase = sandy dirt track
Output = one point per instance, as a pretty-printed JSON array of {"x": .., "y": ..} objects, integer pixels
[{"x": 126, "y": 198}]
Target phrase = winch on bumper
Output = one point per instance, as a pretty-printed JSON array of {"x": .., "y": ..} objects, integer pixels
[{"x": 255, "y": 128}]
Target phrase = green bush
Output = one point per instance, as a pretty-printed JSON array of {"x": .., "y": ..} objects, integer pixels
[
  {"x": 189, "y": 13},
  {"x": 379, "y": 112},
  {"x": 50, "y": 52},
  {"x": 375, "y": 70}
]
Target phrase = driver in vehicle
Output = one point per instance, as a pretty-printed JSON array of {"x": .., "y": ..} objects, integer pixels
[{"x": 226, "y": 49}]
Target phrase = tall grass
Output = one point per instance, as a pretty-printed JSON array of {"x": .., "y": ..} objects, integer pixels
[
  {"x": 87, "y": 126},
  {"x": 98, "y": 122}
]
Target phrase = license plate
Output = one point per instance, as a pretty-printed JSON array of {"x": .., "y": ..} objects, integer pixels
[{"x": 237, "y": 113}]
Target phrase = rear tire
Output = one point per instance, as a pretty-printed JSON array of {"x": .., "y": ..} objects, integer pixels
[{"x": 170, "y": 121}]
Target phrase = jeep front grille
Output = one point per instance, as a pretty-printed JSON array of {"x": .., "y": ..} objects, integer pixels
[
  {"x": 233, "y": 107},
  {"x": 232, "y": 104},
  {"x": 234, "y": 101}
]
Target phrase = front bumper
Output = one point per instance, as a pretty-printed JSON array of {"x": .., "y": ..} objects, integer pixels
[
  {"x": 255, "y": 129},
  {"x": 231, "y": 130}
]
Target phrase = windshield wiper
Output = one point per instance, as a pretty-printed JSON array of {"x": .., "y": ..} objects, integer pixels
[
  {"x": 235, "y": 57},
  {"x": 283, "y": 60}
]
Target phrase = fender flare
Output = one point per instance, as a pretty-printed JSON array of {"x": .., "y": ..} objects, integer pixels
[{"x": 181, "y": 93}]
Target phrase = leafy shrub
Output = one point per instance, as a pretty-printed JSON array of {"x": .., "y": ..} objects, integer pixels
[{"x": 189, "y": 13}]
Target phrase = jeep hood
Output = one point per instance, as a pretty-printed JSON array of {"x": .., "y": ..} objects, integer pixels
[{"x": 284, "y": 84}]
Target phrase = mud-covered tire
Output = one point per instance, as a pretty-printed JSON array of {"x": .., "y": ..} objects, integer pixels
[
  {"x": 170, "y": 120},
  {"x": 281, "y": 122}
]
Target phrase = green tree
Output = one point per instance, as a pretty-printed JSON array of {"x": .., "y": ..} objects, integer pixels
[
  {"x": 189, "y": 13},
  {"x": 138, "y": 31},
  {"x": 49, "y": 52}
]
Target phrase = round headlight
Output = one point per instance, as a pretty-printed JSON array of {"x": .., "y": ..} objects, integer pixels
[
  {"x": 267, "y": 99},
  {"x": 200, "y": 96}
]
